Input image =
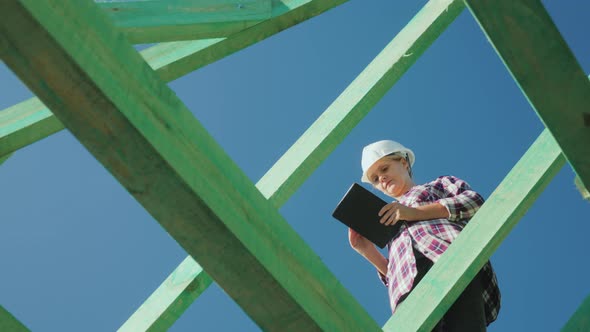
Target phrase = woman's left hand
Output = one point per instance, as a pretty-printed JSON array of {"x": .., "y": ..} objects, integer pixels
[{"x": 394, "y": 212}]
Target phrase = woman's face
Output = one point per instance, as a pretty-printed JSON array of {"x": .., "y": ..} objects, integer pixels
[{"x": 391, "y": 176}]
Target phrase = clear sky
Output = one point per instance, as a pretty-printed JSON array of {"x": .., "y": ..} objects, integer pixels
[{"x": 79, "y": 253}]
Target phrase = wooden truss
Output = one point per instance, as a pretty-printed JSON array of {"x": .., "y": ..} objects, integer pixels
[{"x": 150, "y": 132}]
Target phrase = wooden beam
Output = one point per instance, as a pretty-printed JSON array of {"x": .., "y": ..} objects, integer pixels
[
  {"x": 169, "y": 20},
  {"x": 161, "y": 310},
  {"x": 289, "y": 173},
  {"x": 322, "y": 137},
  {"x": 9, "y": 323},
  {"x": 580, "y": 321},
  {"x": 4, "y": 158},
  {"x": 170, "y": 60},
  {"x": 135, "y": 125},
  {"x": 484, "y": 233},
  {"x": 546, "y": 70},
  {"x": 25, "y": 123}
]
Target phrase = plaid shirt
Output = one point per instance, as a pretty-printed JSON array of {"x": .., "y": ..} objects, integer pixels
[{"x": 433, "y": 237}]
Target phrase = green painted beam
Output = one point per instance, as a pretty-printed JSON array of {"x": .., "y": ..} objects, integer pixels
[
  {"x": 580, "y": 321},
  {"x": 135, "y": 125},
  {"x": 484, "y": 233},
  {"x": 182, "y": 57},
  {"x": 322, "y": 137},
  {"x": 545, "y": 69},
  {"x": 170, "y": 20},
  {"x": 25, "y": 123},
  {"x": 161, "y": 310},
  {"x": 4, "y": 158},
  {"x": 9, "y": 323},
  {"x": 584, "y": 191},
  {"x": 170, "y": 60},
  {"x": 283, "y": 179}
]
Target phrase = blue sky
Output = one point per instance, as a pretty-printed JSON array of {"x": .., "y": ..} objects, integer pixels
[{"x": 79, "y": 253}]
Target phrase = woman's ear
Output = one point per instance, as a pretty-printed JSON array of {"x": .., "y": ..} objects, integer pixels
[{"x": 405, "y": 163}]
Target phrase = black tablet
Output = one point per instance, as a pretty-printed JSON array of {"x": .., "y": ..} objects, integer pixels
[{"x": 359, "y": 210}]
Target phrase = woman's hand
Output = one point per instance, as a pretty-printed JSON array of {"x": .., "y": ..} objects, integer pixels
[
  {"x": 394, "y": 212},
  {"x": 358, "y": 242}
]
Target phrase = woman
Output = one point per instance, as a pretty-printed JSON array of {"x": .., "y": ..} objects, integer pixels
[{"x": 433, "y": 215}]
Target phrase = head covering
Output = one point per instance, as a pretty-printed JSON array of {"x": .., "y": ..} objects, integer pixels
[{"x": 380, "y": 149}]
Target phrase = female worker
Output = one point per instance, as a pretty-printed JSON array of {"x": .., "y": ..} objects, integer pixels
[{"x": 433, "y": 215}]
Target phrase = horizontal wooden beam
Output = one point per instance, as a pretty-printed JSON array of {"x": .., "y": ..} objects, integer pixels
[
  {"x": 9, "y": 323},
  {"x": 546, "y": 70},
  {"x": 161, "y": 310},
  {"x": 484, "y": 233},
  {"x": 170, "y": 20},
  {"x": 177, "y": 59},
  {"x": 580, "y": 321},
  {"x": 283, "y": 179},
  {"x": 135, "y": 125},
  {"x": 170, "y": 60}
]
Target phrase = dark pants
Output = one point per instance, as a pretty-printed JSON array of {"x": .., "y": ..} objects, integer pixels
[{"x": 467, "y": 313}]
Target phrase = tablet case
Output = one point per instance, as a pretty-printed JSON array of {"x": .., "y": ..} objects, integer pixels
[{"x": 359, "y": 210}]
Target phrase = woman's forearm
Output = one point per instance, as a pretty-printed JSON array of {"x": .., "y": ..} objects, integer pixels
[
  {"x": 431, "y": 211},
  {"x": 376, "y": 258}
]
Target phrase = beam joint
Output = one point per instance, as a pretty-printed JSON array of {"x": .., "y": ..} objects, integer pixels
[{"x": 135, "y": 125}]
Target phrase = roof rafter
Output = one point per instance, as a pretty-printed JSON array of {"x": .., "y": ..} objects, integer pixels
[
  {"x": 164, "y": 20},
  {"x": 351, "y": 106},
  {"x": 314, "y": 146},
  {"x": 30, "y": 121},
  {"x": 545, "y": 69},
  {"x": 25, "y": 123},
  {"x": 131, "y": 121},
  {"x": 442, "y": 285},
  {"x": 163, "y": 308}
]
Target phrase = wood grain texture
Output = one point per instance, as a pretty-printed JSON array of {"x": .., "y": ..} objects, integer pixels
[
  {"x": 300, "y": 161},
  {"x": 441, "y": 286},
  {"x": 85, "y": 70},
  {"x": 171, "y": 60},
  {"x": 390, "y": 65}
]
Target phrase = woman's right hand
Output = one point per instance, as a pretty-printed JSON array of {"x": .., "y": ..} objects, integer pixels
[{"x": 358, "y": 242}]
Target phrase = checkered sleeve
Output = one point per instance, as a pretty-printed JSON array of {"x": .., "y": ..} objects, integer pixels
[{"x": 457, "y": 197}]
